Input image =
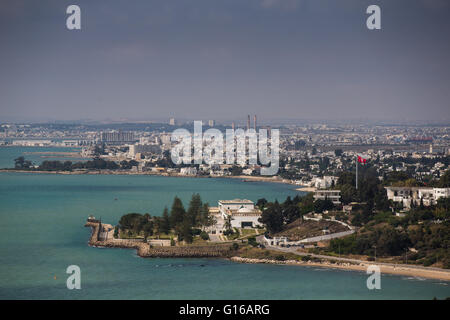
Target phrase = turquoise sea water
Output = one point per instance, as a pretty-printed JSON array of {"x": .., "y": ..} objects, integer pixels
[
  {"x": 8, "y": 154},
  {"x": 42, "y": 233}
]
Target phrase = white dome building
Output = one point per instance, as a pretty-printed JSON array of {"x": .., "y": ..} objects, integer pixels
[{"x": 242, "y": 211}]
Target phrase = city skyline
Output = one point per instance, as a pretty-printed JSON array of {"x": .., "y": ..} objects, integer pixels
[{"x": 210, "y": 60}]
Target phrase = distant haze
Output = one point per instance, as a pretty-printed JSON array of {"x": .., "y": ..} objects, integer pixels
[{"x": 224, "y": 59}]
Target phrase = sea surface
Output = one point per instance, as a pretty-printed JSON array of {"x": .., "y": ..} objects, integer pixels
[
  {"x": 34, "y": 154},
  {"x": 42, "y": 233}
]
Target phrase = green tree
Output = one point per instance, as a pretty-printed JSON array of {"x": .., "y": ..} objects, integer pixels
[
  {"x": 272, "y": 217},
  {"x": 444, "y": 181},
  {"x": 193, "y": 213},
  {"x": 206, "y": 218},
  {"x": 261, "y": 203},
  {"x": 184, "y": 231},
  {"x": 204, "y": 235},
  {"x": 236, "y": 171},
  {"x": 306, "y": 203},
  {"x": 148, "y": 230},
  {"x": 227, "y": 225},
  {"x": 21, "y": 163},
  {"x": 130, "y": 221},
  {"x": 291, "y": 212},
  {"x": 165, "y": 222},
  {"x": 346, "y": 178},
  {"x": 322, "y": 205},
  {"x": 177, "y": 212}
]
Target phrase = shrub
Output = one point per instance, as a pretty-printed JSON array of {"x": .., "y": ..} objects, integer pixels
[
  {"x": 252, "y": 241},
  {"x": 280, "y": 257},
  {"x": 204, "y": 235},
  {"x": 228, "y": 232},
  {"x": 429, "y": 261},
  {"x": 306, "y": 258}
]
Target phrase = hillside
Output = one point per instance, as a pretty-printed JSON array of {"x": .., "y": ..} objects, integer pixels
[{"x": 300, "y": 229}]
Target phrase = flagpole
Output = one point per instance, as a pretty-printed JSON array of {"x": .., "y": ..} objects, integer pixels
[{"x": 356, "y": 173}]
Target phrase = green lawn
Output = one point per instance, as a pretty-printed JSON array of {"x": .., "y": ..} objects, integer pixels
[{"x": 247, "y": 232}]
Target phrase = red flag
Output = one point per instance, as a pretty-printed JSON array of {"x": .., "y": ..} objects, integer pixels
[{"x": 362, "y": 160}]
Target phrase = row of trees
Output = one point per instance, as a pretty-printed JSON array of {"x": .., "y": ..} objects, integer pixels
[
  {"x": 95, "y": 164},
  {"x": 21, "y": 163},
  {"x": 182, "y": 223},
  {"x": 431, "y": 241},
  {"x": 275, "y": 215},
  {"x": 370, "y": 188}
]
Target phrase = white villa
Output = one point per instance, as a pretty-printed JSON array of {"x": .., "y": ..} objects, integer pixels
[
  {"x": 325, "y": 182},
  {"x": 405, "y": 195},
  {"x": 333, "y": 195},
  {"x": 242, "y": 211}
]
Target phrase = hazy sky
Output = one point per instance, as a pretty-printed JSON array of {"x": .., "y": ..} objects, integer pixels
[{"x": 224, "y": 59}]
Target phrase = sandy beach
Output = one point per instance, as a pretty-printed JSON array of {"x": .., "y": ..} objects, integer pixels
[
  {"x": 420, "y": 272},
  {"x": 306, "y": 189}
]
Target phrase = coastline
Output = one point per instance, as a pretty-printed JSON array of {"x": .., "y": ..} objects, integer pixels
[
  {"x": 144, "y": 250},
  {"x": 306, "y": 189},
  {"x": 165, "y": 174},
  {"x": 398, "y": 270}
]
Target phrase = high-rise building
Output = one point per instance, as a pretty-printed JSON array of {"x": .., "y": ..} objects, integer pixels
[
  {"x": 143, "y": 148},
  {"x": 254, "y": 122},
  {"x": 248, "y": 122},
  {"x": 172, "y": 121},
  {"x": 211, "y": 123},
  {"x": 118, "y": 137},
  {"x": 232, "y": 125}
]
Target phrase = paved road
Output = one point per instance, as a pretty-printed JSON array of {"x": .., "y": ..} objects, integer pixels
[{"x": 327, "y": 236}]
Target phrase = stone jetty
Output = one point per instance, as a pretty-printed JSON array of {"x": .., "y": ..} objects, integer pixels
[{"x": 145, "y": 250}]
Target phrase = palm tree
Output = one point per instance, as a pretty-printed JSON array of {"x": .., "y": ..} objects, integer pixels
[{"x": 227, "y": 225}]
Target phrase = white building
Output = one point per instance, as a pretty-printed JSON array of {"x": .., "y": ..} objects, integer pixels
[
  {"x": 406, "y": 195},
  {"x": 32, "y": 143},
  {"x": 143, "y": 148},
  {"x": 325, "y": 182},
  {"x": 441, "y": 193},
  {"x": 242, "y": 212},
  {"x": 426, "y": 194},
  {"x": 188, "y": 171},
  {"x": 333, "y": 195}
]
